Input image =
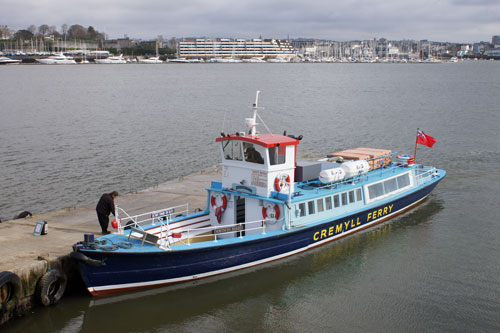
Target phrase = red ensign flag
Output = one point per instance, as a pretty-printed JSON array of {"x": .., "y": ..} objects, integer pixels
[{"x": 425, "y": 139}]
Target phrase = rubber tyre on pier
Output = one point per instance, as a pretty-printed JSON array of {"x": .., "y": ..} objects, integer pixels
[
  {"x": 51, "y": 286},
  {"x": 10, "y": 289}
]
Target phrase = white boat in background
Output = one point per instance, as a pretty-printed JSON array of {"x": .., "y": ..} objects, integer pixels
[
  {"x": 152, "y": 60},
  {"x": 277, "y": 60},
  {"x": 254, "y": 60},
  {"x": 57, "y": 59},
  {"x": 179, "y": 60},
  {"x": 112, "y": 60},
  {"x": 9, "y": 61}
]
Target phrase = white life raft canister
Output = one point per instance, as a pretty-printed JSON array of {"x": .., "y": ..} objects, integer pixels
[
  {"x": 331, "y": 175},
  {"x": 355, "y": 168}
]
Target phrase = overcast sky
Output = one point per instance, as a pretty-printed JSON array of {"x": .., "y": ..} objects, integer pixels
[{"x": 439, "y": 20}]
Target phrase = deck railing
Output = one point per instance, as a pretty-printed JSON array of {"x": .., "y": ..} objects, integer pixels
[
  {"x": 373, "y": 174},
  {"x": 424, "y": 174},
  {"x": 217, "y": 231},
  {"x": 161, "y": 217}
]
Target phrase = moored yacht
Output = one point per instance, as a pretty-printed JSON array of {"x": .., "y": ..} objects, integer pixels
[
  {"x": 9, "y": 61},
  {"x": 112, "y": 60},
  {"x": 152, "y": 60},
  {"x": 57, "y": 59}
]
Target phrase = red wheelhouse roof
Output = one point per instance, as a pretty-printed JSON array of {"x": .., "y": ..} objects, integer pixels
[{"x": 264, "y": 140}]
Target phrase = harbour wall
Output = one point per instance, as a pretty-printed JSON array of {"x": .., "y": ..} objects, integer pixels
[{"x": 37, "y": 260}]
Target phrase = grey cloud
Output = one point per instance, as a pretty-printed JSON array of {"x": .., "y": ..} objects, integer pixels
[{"x": 456, "y": 20}]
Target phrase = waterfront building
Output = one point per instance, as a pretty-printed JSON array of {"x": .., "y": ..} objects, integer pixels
[
  {"x": 234, "y": 48},
  {"x": 495, "y": 40}
]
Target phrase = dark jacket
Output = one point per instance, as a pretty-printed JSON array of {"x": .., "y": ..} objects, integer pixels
[{"x": 106, "y": 205}]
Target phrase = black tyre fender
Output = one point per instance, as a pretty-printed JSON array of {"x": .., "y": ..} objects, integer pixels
[
  {"x": 51, "y": 286},
  {"x": 10, "y": 289}
]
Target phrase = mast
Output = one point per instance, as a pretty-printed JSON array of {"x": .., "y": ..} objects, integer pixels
[{"x": 252, "y": 122}]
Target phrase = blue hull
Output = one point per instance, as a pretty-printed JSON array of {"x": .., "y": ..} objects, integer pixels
[{"x": 132, "y": 270}]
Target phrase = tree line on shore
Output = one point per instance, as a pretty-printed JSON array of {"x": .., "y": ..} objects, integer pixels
[
  {"x": 46, "y": 37},
  {"x": 73, "y": 32}
]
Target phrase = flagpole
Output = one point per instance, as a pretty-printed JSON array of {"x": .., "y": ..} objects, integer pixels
[{"x": 415, "y": 153}]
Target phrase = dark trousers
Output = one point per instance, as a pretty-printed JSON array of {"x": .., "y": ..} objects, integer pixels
[{"x": 103, "y": 221}]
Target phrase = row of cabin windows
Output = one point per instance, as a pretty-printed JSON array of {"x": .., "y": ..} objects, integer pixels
[
  {"x": 329, "y": 203},
  {"x": 238, "y": 150},
  {"x": 388, "y": 186}
]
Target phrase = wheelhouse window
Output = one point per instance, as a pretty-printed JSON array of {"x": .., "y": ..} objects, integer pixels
[
  {"x": 277, "y": 155},
  {"x": 253, "y": 153},
  {"x": 232, "y": 150}
]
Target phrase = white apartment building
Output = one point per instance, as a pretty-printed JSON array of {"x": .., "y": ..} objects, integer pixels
[{"x": 235, "y": 48}]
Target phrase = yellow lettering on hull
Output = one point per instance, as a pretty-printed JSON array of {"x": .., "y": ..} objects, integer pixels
[{"x": 351, "y": 224}]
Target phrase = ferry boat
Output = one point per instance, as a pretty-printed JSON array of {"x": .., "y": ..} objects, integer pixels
[{"x": 267, "y": 206}]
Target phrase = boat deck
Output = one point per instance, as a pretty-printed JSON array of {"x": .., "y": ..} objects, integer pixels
[{"x": 313, "y": 189}]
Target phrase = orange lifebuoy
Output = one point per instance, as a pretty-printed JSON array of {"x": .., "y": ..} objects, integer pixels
[
  {"x": 276, "y": 211},
  {"x": 218, "y": 209},
  {"x": 281, "y": 181}
]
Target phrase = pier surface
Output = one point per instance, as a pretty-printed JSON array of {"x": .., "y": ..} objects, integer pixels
[{"x": 21, "y": 249}]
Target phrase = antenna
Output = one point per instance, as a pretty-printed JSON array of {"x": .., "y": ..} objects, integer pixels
[
  {"x": 224, "y": 121},
  {"x": 252, "y": 122}
]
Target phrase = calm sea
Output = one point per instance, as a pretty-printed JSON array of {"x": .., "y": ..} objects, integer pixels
[{"x": 70, "y": 133}]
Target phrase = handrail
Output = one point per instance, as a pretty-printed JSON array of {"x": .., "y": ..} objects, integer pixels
[
  {"x": 162, "y": 216},
  {"x": 423, "y": 177},
  {"x": 375, "y": 173},
  {"x": 245, "y": 224}
]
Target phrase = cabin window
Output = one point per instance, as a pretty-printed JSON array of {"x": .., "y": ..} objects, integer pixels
[
  {"x": 376, "y": 190},
  {"x": 403, "y": 180},
  {"x": 344, "y": 198},
  {"x": 351, "y": 197},
  {"x": 302, "y": 208},
  {"x": 232, "y": 150},
  {"x": 358, "y": 194},
  {"x": 336, "y": 201},
  {"x": 310, "y": 207},
  {"x": 319, "y": 203},
  {"x": 253, "y": 153},
  {"x": 390, "y": 185},
  {"x": 328, "y": 202},
  {"x": 277, "y": 155}
]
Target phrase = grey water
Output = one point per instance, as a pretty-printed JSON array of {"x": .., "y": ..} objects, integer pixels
[{"x": 70, "y": 133}]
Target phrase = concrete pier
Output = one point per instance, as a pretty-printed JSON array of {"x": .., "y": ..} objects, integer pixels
[{"x": 31, "y": 256}]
